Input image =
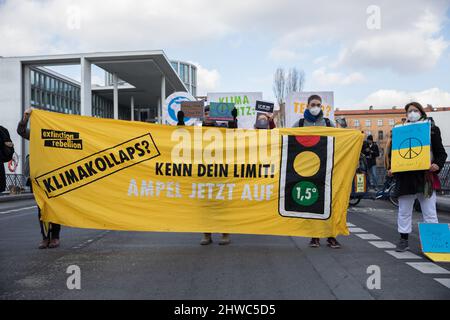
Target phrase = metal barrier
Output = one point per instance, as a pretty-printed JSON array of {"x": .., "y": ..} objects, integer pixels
[
  {"x": 16, "y": 181},
  {"x": 444, "y": 176}
]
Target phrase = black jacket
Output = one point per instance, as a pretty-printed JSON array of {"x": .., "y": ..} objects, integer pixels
[
  {"x": 413, "y": 182},
  {"x": 5, "y": 155},
  {"x": 372, "y": 154}
]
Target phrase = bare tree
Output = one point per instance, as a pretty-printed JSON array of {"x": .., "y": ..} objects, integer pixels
[
  {"x": 295, "y": 81},
  {"x": 284, "y": 83},
  {"x": 279, "y": 86}
]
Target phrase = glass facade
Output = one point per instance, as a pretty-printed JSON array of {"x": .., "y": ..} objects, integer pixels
[
  {"x": 54, "y": 94},
  {"x": 188, "y": 74},
  {"x": 49, "y": 92}
]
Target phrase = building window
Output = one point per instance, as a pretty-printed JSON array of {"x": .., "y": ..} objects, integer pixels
[
  {"x": 391, "y": 122},
  {"x": 380, "y": 135},
  {"x": 368, "y": 123},
  {"x": 380, "y": 122},
  {"x": 357, "y": 123}
]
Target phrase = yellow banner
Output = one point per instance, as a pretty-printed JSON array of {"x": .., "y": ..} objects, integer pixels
[{"x": 120, "y": 175}]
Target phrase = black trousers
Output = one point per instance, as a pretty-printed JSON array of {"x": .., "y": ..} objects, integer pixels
[{"x": 53, "y": 228}]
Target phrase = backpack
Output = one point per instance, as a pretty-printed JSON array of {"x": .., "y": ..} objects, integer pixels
[{"x": 301, "y": 123}]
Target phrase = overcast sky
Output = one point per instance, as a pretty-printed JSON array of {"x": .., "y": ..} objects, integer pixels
[{"x": 341, "y": 45}]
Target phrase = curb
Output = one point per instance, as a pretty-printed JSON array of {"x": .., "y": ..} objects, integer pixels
[{"x": 16, "y": 197}]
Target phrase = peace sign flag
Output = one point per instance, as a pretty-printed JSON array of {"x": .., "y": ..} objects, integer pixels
[{"x": 411, "y": 147}]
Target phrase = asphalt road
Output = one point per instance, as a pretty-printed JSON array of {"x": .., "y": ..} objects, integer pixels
[{"x": 133, "y": 265}]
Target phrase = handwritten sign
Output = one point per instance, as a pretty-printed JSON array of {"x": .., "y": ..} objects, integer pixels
[
  {"x": 192, "y": 109},
  {"x": 435, "y": 237}
]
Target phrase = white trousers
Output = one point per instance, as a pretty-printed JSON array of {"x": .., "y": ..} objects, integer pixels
[{"x": 405, "y": 210}]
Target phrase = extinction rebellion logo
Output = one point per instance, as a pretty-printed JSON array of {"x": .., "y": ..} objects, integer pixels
[
  {"x": 93, "y": 167},
  {"x": 61, "y": 139}
]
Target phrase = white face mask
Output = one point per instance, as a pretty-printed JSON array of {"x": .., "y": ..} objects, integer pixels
[
  {"x": 414, "y": 116},
  {"x": 315, "y": 111}
]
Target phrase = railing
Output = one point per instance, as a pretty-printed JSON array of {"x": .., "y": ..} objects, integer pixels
[
  {"x": 17, "y": 182},
  {"x": 444, "y": 176}
]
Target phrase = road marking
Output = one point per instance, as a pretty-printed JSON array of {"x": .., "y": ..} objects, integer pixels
[
  {"x": 368, "y": 236},
  {"x": 382, "y": 244},
  {"x": 444, "y": 282},
  {"x": 89, "y": 241},
  {"x": 428, "y": 267},
  {"x": 356, "y": 230},
  {"x": 350, "y": 224},
  {"x": 403, "y": 255},
  {"x": 18, "y": 210}
]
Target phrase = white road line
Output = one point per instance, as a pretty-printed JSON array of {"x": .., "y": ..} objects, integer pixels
[
  {"x": 368, "y": 236},
  {"x": 382, "y": 244},
  {"x": 444, "y": 282},
  {"x": 356, "y": 230},
  {"x": 350, "y": 224},
  {"x": 18, "y": 210},
  {"x": 428, "y": 267},
  {"x": 403, "y": 255}
]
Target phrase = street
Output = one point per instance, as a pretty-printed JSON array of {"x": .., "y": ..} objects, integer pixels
[{"x": 133, "y": 265}]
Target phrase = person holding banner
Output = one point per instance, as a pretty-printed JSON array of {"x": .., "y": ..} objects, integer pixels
[
  {"x": 421, "y": 184},
  {"x": 313, "y": 116},
  {"x": 232, "y": 124},
  {"x": 207, "y": 237},
  {"x": 49, "y": 231}
]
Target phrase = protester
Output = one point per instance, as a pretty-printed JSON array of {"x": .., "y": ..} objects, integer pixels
[
  {"x": 50, "y": 231},
  {"x": 207, "y": 237},
  {"x": 264, "y": 121},
  {"x": 421, "y": 185},
  {"x": 6, "y": 154},
  {"x": 371, "y": 152},
  {"x": 314, "y": 116}
]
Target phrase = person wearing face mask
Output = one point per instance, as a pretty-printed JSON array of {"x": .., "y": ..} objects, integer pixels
[
  {"x": 313, "y": 116},
  {"x": 421, "y": 185}
]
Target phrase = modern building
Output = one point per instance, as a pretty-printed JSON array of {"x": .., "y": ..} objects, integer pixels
[
  {"x": 186, "y": 71},
  {"x": 148, "y": 77}
]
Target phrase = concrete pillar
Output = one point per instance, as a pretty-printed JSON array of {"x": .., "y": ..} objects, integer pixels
[
  {"x": 163, "y": 99},
  {"x": 86, "y": 88},
  {"x": 24, "y": 147},
  {"x": 116, "y": 96},
  {"x": 132, "y": 108}
]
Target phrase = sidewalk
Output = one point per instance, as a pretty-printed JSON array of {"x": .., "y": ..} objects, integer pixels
[
  {"x": 16, "y": 197},
  {"x": 443, "y": 203}
]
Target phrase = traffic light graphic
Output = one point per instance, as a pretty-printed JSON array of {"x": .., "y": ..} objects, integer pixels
[{"x": 305, "y": 179}]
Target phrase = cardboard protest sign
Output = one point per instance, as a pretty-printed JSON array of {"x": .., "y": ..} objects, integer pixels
[
  {"x": 263, "y": 106},
  {"x": 193, "y": 109},
  {"x": 297, "y": 103},
  {"x": 435, "y": 241},
  {"x": 411, "y": 147},
  {"x": 244, "y": 102},
  {"x": 221, "y": 111}
]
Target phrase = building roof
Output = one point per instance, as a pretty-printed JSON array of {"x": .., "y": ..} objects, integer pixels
[
  {"x": 141, "y": 69},
  {"x": 399, "y": 111}
]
